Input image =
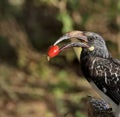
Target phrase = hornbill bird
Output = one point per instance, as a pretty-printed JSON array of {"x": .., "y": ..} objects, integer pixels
[{"x": 98, "y": 67}]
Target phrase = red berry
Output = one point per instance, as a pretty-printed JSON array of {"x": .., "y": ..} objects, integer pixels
[{"x": 53, "y": 51}]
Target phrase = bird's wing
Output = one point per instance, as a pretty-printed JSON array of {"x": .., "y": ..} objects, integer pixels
[{"x": 105, "y": 74}]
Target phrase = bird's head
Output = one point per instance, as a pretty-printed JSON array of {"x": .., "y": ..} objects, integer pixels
[{"x": 91, "y": 43}]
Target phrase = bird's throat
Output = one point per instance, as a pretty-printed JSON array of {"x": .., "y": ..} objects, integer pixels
[{"x": 93, "y": 52}]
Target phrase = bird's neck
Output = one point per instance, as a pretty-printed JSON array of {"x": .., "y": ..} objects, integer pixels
[
  {"x": 102, "y": 53},
  {"x": 85, "y": 63}
]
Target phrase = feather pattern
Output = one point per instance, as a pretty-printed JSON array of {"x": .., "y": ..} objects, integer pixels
[{"x": 105, "y": 73}]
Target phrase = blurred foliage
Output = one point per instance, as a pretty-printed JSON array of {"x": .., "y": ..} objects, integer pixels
[
  {"x": 29, "y": 85},
  {"x": 66, "y": 21}
]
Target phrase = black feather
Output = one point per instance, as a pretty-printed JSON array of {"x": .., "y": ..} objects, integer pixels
[{"x": 99, "y": 67}]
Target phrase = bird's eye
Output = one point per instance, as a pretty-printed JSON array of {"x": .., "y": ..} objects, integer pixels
[{"x": 90, "y": 38}]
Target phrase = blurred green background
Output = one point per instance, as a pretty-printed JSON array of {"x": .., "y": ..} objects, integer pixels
[{"x": 30, "y": 86}]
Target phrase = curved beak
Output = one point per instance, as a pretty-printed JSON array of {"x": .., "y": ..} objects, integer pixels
[
  {"x": 79, "y": 35},
  {"x": 74, "y": 44},
  {"x": 73, "y": 34}
]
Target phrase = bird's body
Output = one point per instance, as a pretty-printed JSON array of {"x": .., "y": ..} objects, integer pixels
[
  {"x": 104, "y": 76},
  {"x": 102, "y": 72},
  {"x": 99, "y": 68}
]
